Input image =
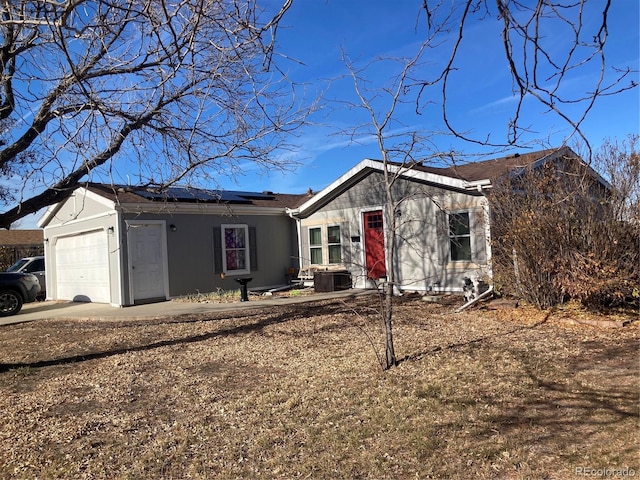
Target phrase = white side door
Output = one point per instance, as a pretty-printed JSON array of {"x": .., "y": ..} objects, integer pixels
[{"x": 147, "y": 260}]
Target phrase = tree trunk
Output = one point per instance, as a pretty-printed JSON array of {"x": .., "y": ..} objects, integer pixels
[{"x": 390, "y": 354}]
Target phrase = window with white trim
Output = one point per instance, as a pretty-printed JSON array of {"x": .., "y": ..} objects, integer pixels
[
  {"x": 315, "y": 245},
  {"x": 235, "y": 249},
  {"x": 459, "y": 237},
  {"x": 334, "y": 244}
]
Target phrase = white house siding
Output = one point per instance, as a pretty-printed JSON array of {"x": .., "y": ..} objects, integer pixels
[{"x": 422, "y": 255}]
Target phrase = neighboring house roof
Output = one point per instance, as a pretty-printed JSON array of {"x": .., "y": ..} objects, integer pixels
[{"x": 21, "y": 237}]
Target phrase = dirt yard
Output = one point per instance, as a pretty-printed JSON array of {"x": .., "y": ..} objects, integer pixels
[{"x": 297, "y": 392}]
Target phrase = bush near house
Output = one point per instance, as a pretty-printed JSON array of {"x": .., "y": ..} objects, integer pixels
[{"x": 558, "y": 233}]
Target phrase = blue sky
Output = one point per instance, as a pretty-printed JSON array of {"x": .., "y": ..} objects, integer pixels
[
  {"x": 315, "y": 32},
  {"x": 481, "y": 97}
]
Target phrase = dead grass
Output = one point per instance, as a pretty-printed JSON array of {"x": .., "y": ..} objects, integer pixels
[
  {"x": 230, "y": 296},
  {"x": 297, "y": 392}
]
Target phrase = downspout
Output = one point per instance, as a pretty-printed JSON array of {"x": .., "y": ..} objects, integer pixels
[
  {"x": 291, "y": 214},
  {"x": 488, "y": 235},
  {"x": 120, "y": 235},
  {"x": 481, "y": 186},
  {"x": 474, "y": 300}
]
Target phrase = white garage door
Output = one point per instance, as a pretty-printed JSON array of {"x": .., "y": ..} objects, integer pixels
[{"x": 82, "y": 268}]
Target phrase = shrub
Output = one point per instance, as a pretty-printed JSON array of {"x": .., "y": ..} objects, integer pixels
[{"x": 559, "y": 234}]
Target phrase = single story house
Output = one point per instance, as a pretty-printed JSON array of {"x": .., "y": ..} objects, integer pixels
[
  {"x": 127, "y": 245},
  {"x": 441, "y": 217},
  {"x": 441, "y": 226}
]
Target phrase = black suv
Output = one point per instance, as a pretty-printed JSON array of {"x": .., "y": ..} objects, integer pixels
[
  {"x": 33, "y": 265},
  {"x": 15, "y": 290}
]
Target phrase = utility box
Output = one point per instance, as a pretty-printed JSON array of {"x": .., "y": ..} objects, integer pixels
[{"x": 331, "y": 281}]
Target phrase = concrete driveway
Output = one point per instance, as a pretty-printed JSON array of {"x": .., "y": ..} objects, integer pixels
[{"x": 101, "y": 311}]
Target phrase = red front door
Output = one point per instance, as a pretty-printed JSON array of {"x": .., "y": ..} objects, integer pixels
[{"x": 374, "y": 244}]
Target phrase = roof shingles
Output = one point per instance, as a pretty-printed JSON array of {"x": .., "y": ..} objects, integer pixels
[
  {"x": 470, "y": 172},
  {"x": 137, "y": 195},
  {"x": 489, "y": 169},
  {"x": 21, "y": 237}
]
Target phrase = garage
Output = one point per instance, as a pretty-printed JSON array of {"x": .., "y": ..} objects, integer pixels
[{"x": 82, "y": 267}]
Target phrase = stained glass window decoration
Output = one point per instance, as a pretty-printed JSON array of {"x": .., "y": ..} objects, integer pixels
[{"x": 235, "y": 248}]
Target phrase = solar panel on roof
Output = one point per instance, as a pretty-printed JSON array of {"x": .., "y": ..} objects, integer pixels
[
  {"x": 252, "y": 195},
  {"x": 150, "y": 195},
  {"x": 200, "y": 195},
  {"x": 231, "y": 197},
  {"x": 244, "y": 197}
]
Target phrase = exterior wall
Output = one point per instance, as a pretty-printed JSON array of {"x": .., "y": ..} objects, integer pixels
[
  {"x": 194, "y": 261},
  {"x": 78, "y": 207},
  {"x": 422, "y": 257}
]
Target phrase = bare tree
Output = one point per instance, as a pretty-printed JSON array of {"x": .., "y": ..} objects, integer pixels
[
  {"x": 401, "y": 147},
  {"x": 155, "y": 90},
  {"x": 619, "y": 162},
  {"x": 540, "y": 68},
  {"x": 539, "y": 65}
]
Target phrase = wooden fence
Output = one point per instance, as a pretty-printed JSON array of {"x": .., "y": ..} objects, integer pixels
[{"x": 9, "y": 254}]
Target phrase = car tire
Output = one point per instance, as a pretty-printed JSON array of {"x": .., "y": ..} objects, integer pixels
[{"x": 10, "y": 302}]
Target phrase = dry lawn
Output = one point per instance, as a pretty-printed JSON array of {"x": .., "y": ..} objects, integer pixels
[{"x": 296, "y": 392}]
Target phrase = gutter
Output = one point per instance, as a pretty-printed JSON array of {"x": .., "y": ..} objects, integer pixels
[{"x": 478, "y": 184}]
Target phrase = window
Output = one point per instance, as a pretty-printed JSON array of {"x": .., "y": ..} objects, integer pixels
[
  {"x": 460, "y": 236},
  {"x": 315, "y": 245},
  {"x": 374, "y": 221},
  {"x": 235, "y": 249},
  {"x": 35, "y": 266},
  {"x": 325, "y": 243},
  {"x": 333, "y": 240}
]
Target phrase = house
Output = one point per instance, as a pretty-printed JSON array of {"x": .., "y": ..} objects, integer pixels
[
  {"x": 16, "y": 244},
  {"x": 441, "y": 218},
  {"x": 442, "y": 233},
  {"x": 126, "y": 245}
]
